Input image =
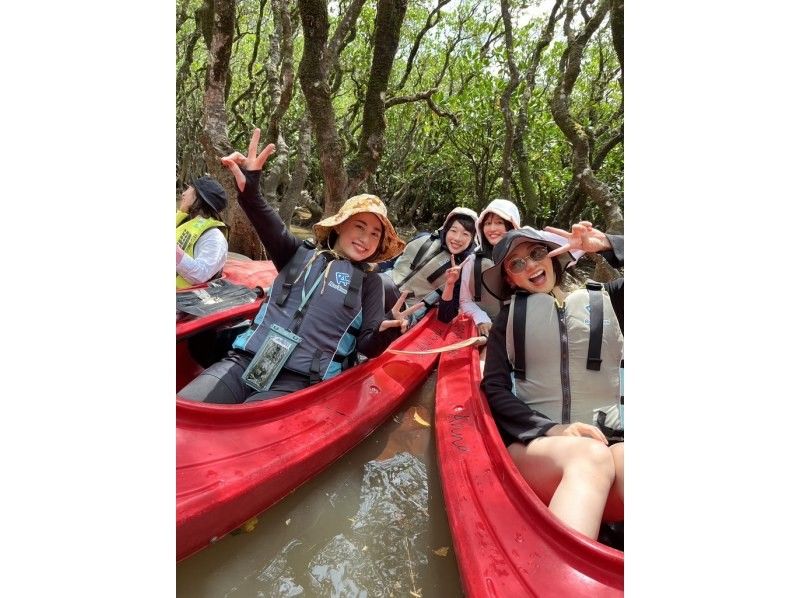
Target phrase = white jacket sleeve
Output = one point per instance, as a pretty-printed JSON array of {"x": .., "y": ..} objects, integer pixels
[
  {"x": 466, "y": 300},
  {"x": 210, "y": 252}
]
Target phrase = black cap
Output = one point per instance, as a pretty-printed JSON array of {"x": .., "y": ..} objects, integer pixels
[{"x": 211, "y": 192}]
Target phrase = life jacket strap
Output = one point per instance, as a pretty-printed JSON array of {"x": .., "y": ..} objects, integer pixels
[
  {"x": 477, "y": 270},
  {"x": 439, "y": 271},
  {"x": 297, "y": 262},
  {"x": 313, "y": 374},
  {"x": 423, "y": 250},
  {"x": 593, "y": 359},
  {"x": 354, "y": 290},
  {"x": 520, "y": 315}
]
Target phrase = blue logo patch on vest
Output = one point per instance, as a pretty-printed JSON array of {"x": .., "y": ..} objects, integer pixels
[
  {"x": 588, "y": 309},
  {"x": 343, "y": 278}
]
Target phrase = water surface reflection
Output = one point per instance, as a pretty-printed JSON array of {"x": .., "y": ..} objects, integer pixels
[{"x": 372, "y": 524}]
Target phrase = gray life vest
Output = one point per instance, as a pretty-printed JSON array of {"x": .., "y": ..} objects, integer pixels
[
  {"x": 422, "y": 266},
  {"x": 558, "y": 373},
  {"x": 328, "y": 323},
  {"x": 483, "y": 298}
]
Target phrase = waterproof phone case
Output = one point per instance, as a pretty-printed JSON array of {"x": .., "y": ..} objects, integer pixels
[{"x": 269, "y": 359}]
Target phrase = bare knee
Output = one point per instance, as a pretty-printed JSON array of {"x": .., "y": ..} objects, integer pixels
[{"x": 592, "y": 459}]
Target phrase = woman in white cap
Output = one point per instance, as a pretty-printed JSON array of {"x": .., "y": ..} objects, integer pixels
[
  {"x": 326, "y": 303},
  {"x": 201, "y": 243},
  {"x": 499, "y": 217},
  {"x": 552, "y": 358}
]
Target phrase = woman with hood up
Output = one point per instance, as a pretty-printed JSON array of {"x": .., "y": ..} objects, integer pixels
[
  {"x": 326, "y": 304},
  {"x": 421, "y": 271},
  {"x": 499, "y": 217}
]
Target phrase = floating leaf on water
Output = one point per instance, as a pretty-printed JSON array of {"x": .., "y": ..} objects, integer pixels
[
  {"x": 441, "y": 551},
  {"x": 288, "y": 521},
  {"x": 250, "y": 524},
  {"x": 416, "y": 594},
  {"x": 419, "y": 420}
]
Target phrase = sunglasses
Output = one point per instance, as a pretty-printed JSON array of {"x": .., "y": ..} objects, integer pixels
[{"x": 518, "y": 265}]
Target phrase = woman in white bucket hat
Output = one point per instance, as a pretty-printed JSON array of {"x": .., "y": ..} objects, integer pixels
[{"x": 499, "y": 217}]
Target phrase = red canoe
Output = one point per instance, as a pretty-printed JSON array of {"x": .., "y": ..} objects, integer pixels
[
  {"x": 234, "y": 461},
  {"x": 249, "y": 273},
  {"x": 506, "y": 541}
]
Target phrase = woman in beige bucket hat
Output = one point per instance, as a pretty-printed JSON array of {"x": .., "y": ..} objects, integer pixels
[{"x": 326, "y": 304}]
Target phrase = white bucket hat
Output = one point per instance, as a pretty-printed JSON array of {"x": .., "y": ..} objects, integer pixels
[{"x": 503, "y": 208}]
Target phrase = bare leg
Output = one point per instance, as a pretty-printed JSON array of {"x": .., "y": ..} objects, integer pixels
[{"x": 572, "y": 474}]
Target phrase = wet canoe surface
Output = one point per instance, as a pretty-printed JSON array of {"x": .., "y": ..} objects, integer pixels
[{"x": 507, "y": 542}]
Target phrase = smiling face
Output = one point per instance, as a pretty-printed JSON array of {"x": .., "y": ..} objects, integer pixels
[
  {"x": 457, "y": 238},
  {"x": 494, "y": 228},
  {"x": 359, "y": 236},
  {"x": 536, "y": 276}
]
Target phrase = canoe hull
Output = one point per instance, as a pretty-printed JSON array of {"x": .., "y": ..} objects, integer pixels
[
  {"x": 234, "y": 461},
  {"x": 507, "y": 543},
  {"x": 250, "y": 273}
]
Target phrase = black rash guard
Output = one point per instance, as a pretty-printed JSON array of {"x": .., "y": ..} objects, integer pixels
[
  {"x": 281, "y": 245},
  {"x": 515, "y": 420}
]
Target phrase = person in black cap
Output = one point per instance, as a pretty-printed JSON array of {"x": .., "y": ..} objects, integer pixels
[
  {"x": 200, "y": 234},
  {"x": 552, "y": 360}
]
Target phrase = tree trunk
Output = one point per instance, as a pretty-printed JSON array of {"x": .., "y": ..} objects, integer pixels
[
  {"x": 318, "y": 58},
  {"x": 530, "y": 195},
  {"x": 505, "y": 101},
  {"x": 291, "y": 198},
  {"x": 618, "y": 32},
  {"x": 570, "y": 68},
  {"x": 388, "y": 21},
  {"x": 214, "y": 136},
  {"x": 314, "y": 82}
]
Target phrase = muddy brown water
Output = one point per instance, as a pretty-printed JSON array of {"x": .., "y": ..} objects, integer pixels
[{"x": 372, "y": 524}]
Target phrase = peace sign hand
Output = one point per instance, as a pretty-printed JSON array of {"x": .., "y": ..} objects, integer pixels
[
  {"x": 253, "y": 161},
  {"x": 582, "y": 238},
  {"x": 452, "y": 273},
  {"x": 401, "y": 316}
]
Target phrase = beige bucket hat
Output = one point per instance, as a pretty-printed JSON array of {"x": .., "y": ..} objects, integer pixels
[{"x": 391, "y": 244}]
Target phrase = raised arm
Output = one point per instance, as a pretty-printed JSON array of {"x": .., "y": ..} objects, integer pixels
[
  {"x": 584, "y": 237},
  {"x": 278, "y": 241}
]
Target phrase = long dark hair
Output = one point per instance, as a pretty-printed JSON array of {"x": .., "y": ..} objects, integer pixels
[{"x": 201, "y": 208}]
